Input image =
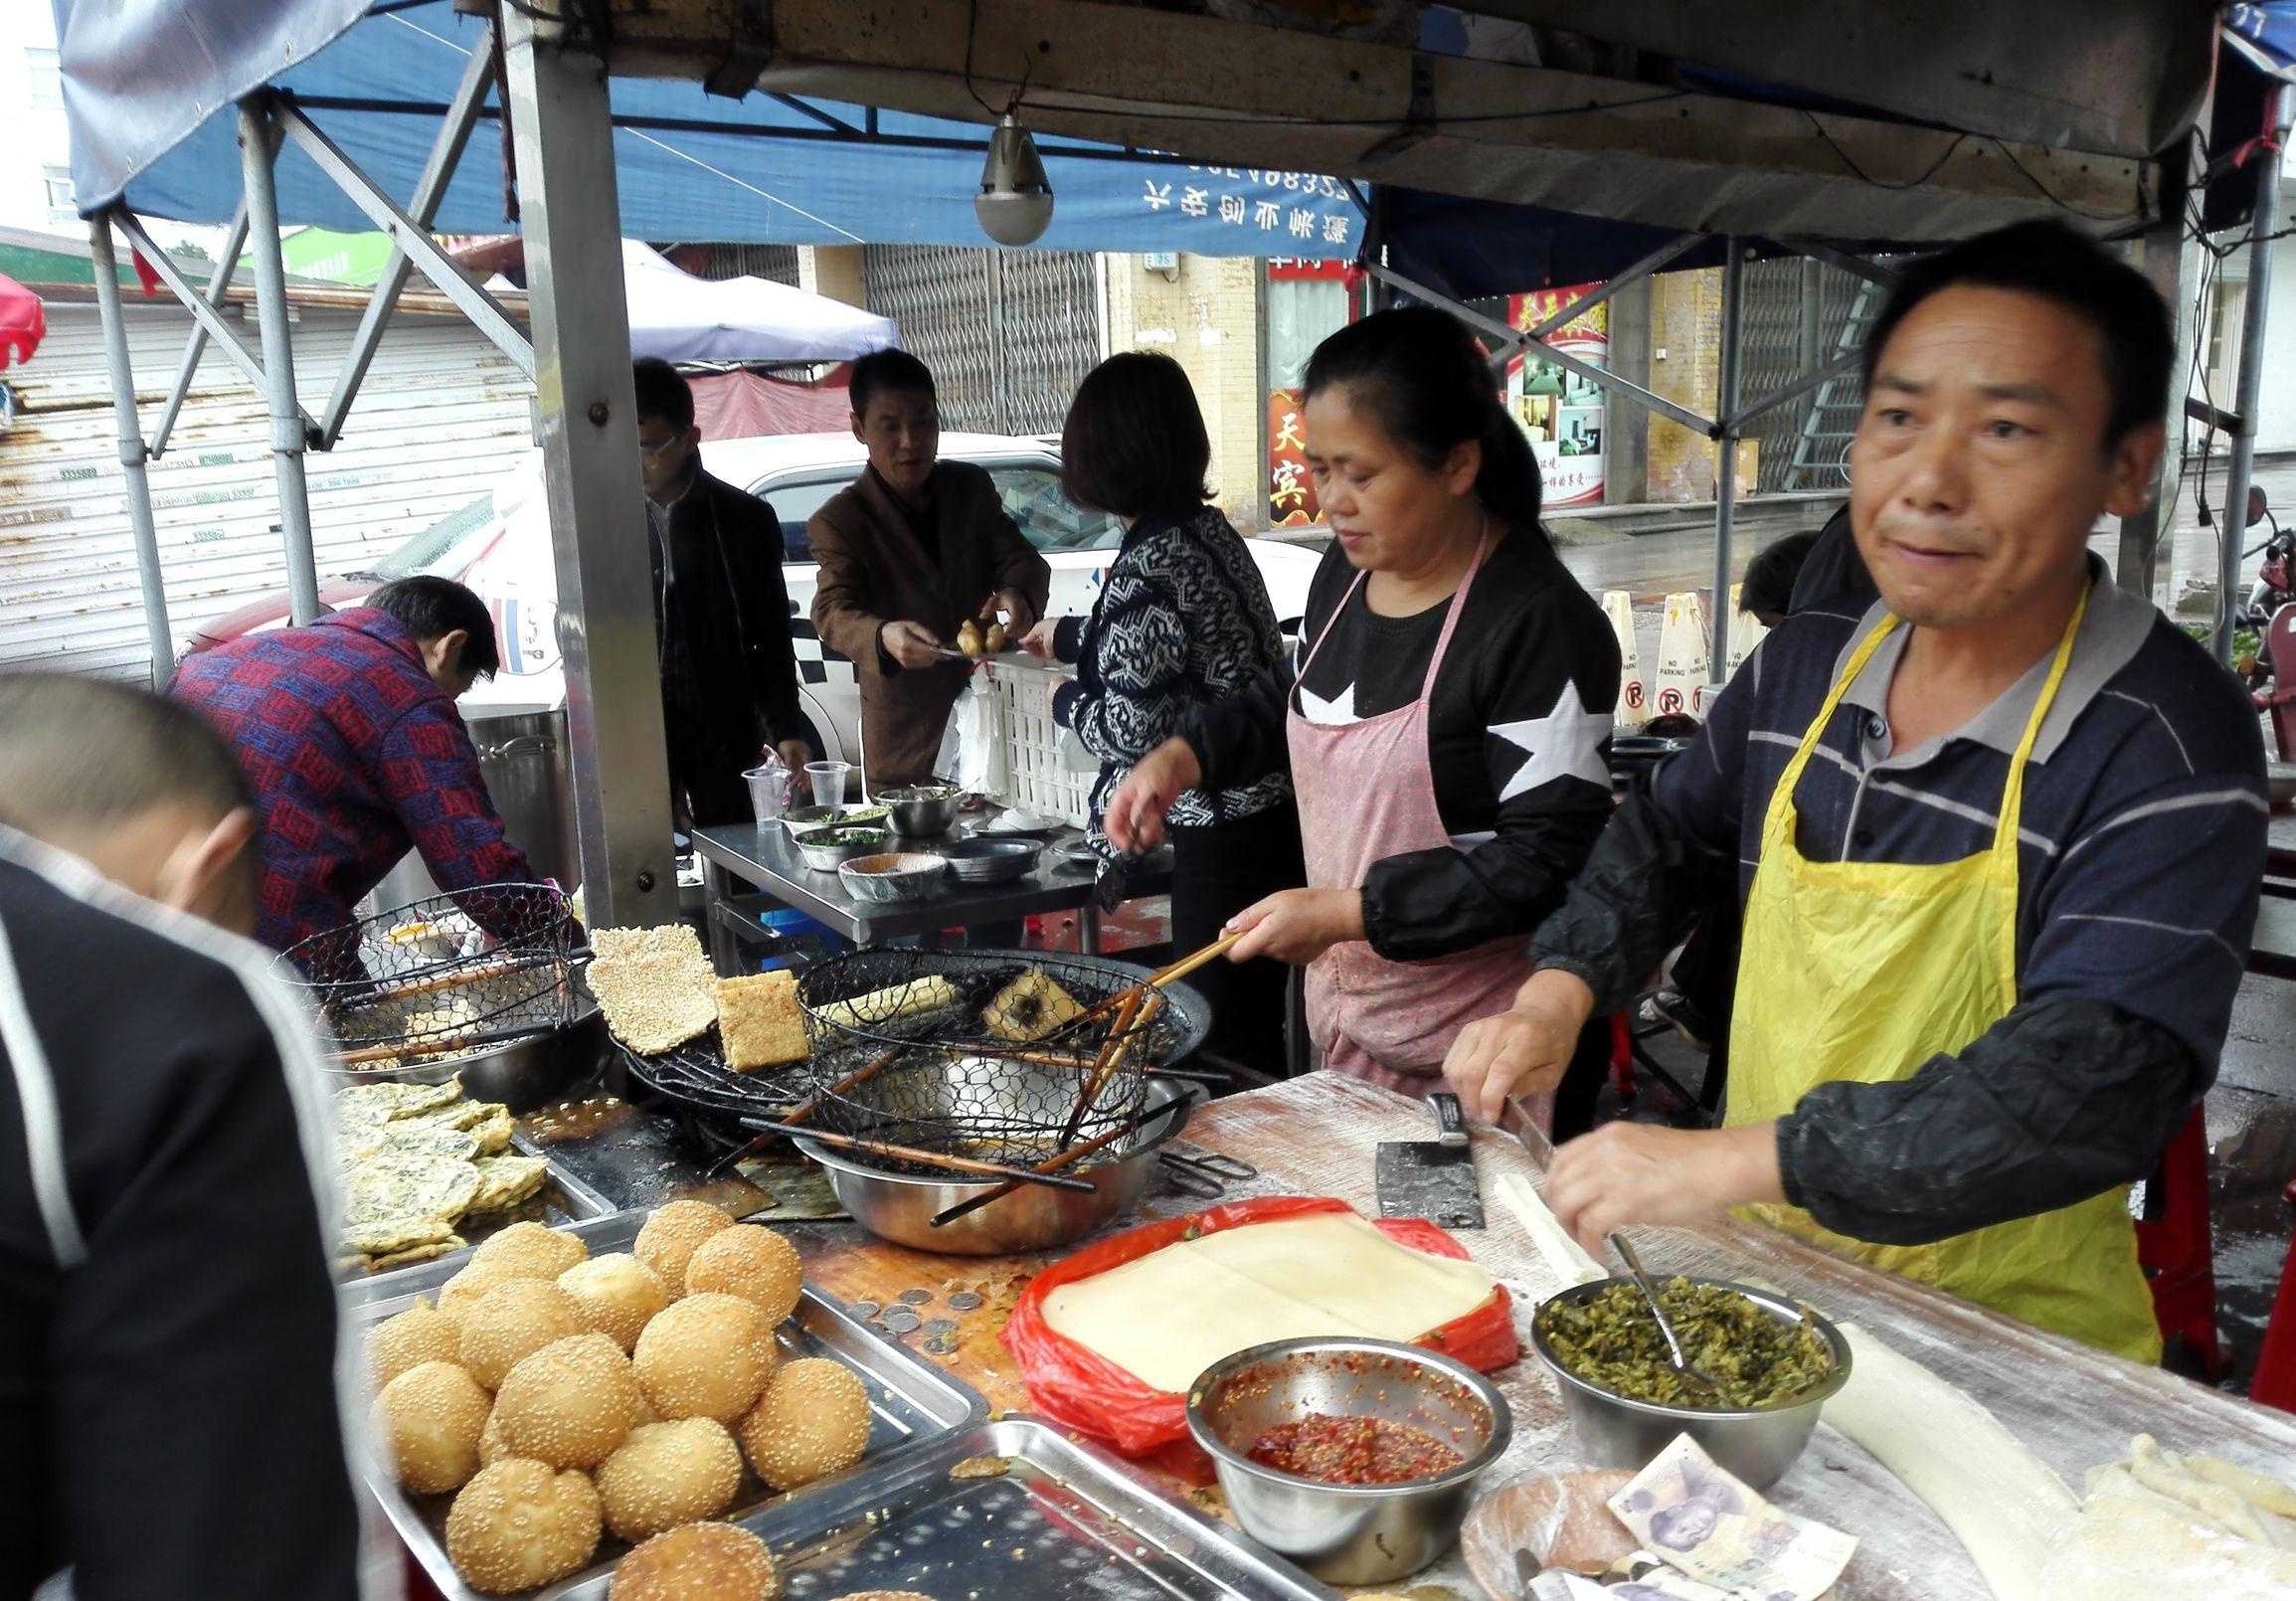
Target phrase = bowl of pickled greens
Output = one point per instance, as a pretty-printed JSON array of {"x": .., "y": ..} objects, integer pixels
[{"x": 1776, "y": 1363}]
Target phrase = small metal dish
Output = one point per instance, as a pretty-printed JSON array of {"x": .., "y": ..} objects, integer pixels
[
  {"x": 2280, "y": 781},
  {"x": 923, "y": 811},
  {"x": 1348, "y": 1535},
  {"x": 992, "y": 861},
  {"x": 1758, "y": 1444},
  {"x": 893, "y": 876},
  {"x": 830, "y": 847},
  {"x": 799, "y": 819}
]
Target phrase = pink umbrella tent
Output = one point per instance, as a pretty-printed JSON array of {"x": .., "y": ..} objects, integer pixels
[{"x": 22, "y": 322}]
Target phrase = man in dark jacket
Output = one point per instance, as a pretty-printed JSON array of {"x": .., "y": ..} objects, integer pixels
[
  {"x": 729, "y": 677},
  {"x": 1998, "y": 841},
  {"x": 348, "y": 732},
  {"x": 171, "y": 1423}
]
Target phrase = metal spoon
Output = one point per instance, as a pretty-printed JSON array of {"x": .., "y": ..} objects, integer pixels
[{"x": 1683, "y": 1364}]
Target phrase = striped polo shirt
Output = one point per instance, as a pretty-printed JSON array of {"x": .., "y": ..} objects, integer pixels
[{"x": 2142, "y": 832}]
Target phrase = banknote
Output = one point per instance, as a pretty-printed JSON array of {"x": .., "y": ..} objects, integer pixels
[
  {"x": 1699, "y": 1520},
  {"x": 1656, "y": 1585}
]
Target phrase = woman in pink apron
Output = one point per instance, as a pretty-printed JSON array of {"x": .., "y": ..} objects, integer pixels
[{"x": 1444, "y": 718}]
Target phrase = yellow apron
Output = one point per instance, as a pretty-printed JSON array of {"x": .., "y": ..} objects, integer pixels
[{"x": 1865, "y": 971}]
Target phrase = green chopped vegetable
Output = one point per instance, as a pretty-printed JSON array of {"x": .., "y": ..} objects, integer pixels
[{"x": 1610, "y": 1339}]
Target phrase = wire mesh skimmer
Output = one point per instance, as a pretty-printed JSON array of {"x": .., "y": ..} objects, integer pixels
[
  {"x": 444, "y": 972},
  {"x": 918, "y": 1048}
]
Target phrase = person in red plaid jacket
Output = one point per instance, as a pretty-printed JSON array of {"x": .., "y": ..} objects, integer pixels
[{"x": 349, "y": 737}]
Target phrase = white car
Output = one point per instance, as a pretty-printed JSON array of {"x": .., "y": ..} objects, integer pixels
[{"x": 499, "y": 544}]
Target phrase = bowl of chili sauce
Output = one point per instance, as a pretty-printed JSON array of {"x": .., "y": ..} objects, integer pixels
[{"x": 1355, "y": 1458}]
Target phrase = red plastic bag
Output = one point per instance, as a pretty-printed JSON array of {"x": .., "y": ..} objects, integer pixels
[{"x": 1084, "y": 1391}]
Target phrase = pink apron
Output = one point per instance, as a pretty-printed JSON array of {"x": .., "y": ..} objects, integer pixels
[{"x": 1366, "y": 791}]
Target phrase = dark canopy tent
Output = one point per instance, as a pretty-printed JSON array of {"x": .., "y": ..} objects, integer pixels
[{"x": 1786, "y": 119}]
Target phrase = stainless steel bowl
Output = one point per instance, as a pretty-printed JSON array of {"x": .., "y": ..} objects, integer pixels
[
  {"x": 831, "y": 846},
  {"x": 900, "y": 1207},
  {"x": 2280, "y": 780},
  {"x": 992, "y": 861},
  {"x": 1348, "y": 1535},
  {"x": 901, "y": 875},
  {"x": 921, "y": 811},
  {"x": 1757, "y": 1445},
  {"x": 521, "y": 1073}
]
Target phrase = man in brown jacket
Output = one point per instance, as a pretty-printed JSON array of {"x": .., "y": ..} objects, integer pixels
[{"x": 915, "y": 547}]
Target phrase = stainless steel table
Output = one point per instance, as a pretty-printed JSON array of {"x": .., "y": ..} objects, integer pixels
[{"x": 762, "y": 857}]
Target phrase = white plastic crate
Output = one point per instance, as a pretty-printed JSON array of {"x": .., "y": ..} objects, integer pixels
[{"x": 1040, "y": 777}]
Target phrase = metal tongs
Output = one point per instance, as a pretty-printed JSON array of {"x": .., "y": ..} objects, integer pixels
[{"x": 1682, "y": 1361}]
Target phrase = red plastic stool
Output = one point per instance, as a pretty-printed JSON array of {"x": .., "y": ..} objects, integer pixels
[
  {"x": 2177, "y": 1252},
  {"x": 1623, "y": 1055},
  {"x": 2275, "y": 1384}
]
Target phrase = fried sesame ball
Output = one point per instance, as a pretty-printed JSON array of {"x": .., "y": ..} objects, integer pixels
[
  {"x": 428, "y": 1419},
  {"x": 421, "y": 1334},
  {"x": 618, "y": 1294},
  {"x": 669, "y": 1474},
  {"x": 529, "y": 1251},
  {"x": 461, "y": 1293},
  {"x": 493, "y": 1448},
  {"x": 520, "y": 1524},
  {"x": 752, "y": 1262},
  {"x": 671, "y": 1235},
  {"x": 706, "y": 1356},
  {"x": 571, "y": 1403},
  {"x": 699, "y": 1562},
  {"x": 513, "y": 1320},
  {"x": 813, "y": 1421}
]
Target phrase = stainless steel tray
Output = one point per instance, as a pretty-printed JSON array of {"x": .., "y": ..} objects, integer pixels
[
  {"x": 1065, "y": 1521},
  {"x": 918, "y": 1408},
  {"x": 563, "y": 1199}
]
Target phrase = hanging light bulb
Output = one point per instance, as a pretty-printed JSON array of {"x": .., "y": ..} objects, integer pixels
[{"x": 1015, "y": 200}]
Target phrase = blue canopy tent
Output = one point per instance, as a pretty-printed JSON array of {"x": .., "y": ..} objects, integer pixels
[{"x": 689, "y": 164}]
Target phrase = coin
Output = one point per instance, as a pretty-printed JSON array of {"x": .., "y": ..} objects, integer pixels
[
  {"x": 864, "y": 1310},
  {"x": 915, "y": 1298},
  {"x": 941, "y": 1326},
  {"x": 963, "y": 1301},
  {"x": 900, "y": 1320}
]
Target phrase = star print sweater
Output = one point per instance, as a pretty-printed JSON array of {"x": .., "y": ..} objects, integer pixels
[{"x": 1517, "y": 735}]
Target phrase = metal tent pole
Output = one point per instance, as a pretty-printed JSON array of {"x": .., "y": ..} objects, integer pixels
[
  {"x": 132, "y": 451},
  {"x": 279, "y": 361},
  {"x": 570, "y": 214},
  {"x": 1726, "y": 455},
  {"x": 2234, "y": 526}
]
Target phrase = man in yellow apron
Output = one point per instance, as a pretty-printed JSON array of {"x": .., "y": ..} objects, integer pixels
[{"x": 1999, "y": 839}]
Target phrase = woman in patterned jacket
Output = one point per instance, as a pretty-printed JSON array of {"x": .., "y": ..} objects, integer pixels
[{"x": 1183, "y": 621}]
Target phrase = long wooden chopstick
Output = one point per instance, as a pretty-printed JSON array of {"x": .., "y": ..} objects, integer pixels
[
  {"x": 1052, "y": 1165},
  {"x": 924, "y": 1159},
  {"x": 806, "y": 1108}
]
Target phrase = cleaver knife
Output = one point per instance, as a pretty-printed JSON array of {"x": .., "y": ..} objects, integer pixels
[
  {"x": 1515, "y": 1119},
  {"x": 1432, "y": 1178}
]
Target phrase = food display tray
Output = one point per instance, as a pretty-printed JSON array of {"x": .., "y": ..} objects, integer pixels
[
  {"x": 918, "y": 1408},
  {"x": 1051, "y": 1519},
  {"x": 563, "y": 1199}
]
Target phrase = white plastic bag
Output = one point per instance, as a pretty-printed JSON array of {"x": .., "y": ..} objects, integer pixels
[{"x": 973, "y": 750}]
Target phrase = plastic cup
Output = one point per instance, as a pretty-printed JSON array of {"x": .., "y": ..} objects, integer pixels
[
  {"x": 769, "y": 791},
  {"x": 828, "y": 782}
]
